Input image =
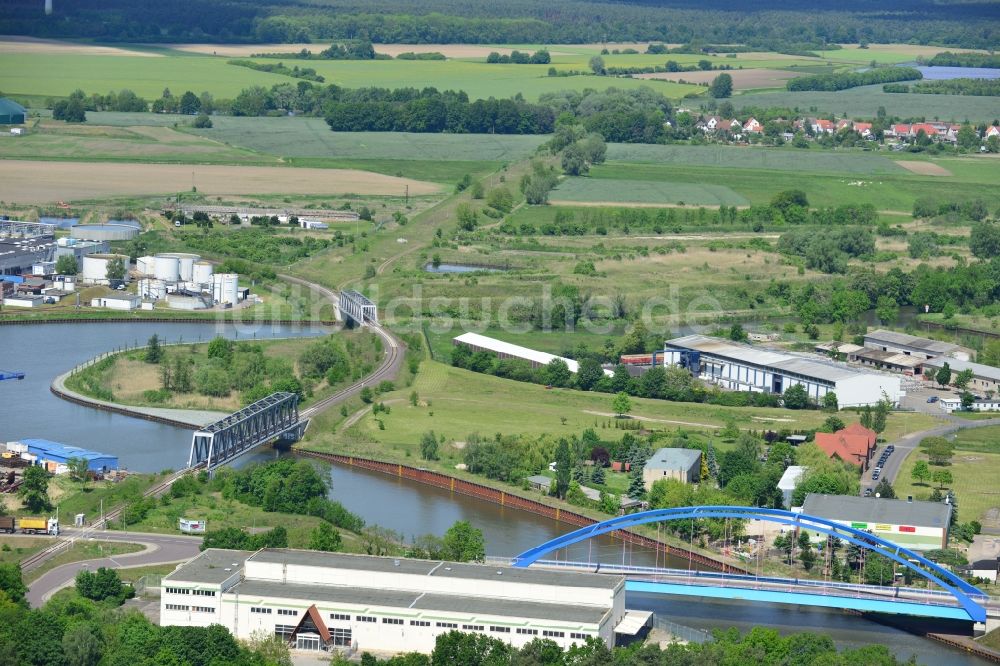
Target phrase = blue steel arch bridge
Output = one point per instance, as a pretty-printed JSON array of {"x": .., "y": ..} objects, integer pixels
[{"x": 953, "y": 598}]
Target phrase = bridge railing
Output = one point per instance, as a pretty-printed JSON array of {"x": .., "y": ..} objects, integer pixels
[{"x": 694, "y": 577}]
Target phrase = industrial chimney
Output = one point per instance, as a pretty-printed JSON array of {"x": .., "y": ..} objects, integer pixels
[{"x": 48, "y": 7}]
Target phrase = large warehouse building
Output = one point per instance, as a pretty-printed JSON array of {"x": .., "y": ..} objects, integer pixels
[
  {"x": 318, "y": 600},
  {"x": 911, "y": 345},
  {"x": 501, "y": 349},
  {"x": 911, "y": 524},
  {"x": 740, "y": 367}
]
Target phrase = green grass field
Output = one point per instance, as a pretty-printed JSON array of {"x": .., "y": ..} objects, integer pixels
[
  {"x": 887, "y": 192},
  {"x": 602, "y": 190},
  {"x": 58, "y": 75},
  {"x": 979, "y": 440},
  {"x": 311, "y": 137},
  {"x": 975, "y": 486},
  {"x": 743, "y": 157},
  {"x": 865, "y": 101}
]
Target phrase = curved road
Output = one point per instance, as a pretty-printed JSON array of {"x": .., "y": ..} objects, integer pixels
[{"x": 160, "y": 549}]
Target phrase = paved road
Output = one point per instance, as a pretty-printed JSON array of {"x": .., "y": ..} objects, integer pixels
[
  {"x": 949, "y": 424},
  {"x": 160, "y": 549}
]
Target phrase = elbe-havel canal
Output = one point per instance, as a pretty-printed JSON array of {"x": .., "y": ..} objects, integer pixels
[{"x": 29, "y": 409}]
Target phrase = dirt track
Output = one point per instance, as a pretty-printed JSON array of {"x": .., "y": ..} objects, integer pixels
[
  {"x": 32, "y": 46},
  {"x": 26, "y": 181}
]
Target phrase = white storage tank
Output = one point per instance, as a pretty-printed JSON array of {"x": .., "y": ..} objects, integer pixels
[
  {"x": 145, "y": 265},
  {"x": 187, "y": 265},
  {"x": 95, "y": 267},
  {"x": 166, "y": 267},
  {"x": 226, "y": 287},
  {"x": 152, "y": 288},
  {"x": 202, "y": 273}
]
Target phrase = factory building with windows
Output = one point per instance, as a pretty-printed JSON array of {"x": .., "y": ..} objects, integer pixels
[
  {"x": 317, "y": 600},
  {"x": 741, "y": 367}
]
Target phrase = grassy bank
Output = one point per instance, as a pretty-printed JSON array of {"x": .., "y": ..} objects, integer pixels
[{"x": 254, "y": 369}]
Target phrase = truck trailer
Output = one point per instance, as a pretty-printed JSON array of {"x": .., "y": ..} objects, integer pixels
[
  {"x": 39, "y": 526},
  {"x": 7, "y": 524}
]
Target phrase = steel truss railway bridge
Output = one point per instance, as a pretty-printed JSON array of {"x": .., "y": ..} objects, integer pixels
[
  {"x": 952, "y": 598},
  {"x": 275, "y": 417}
]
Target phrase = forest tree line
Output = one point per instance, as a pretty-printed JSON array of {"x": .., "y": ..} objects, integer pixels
[{"x": 773, "y": 23}]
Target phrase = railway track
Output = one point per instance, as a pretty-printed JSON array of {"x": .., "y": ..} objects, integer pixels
[{"x": 386, "y": 370}]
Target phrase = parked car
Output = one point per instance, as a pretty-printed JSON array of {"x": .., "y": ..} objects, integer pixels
[
  {"x": 933, "y": 398},
  {"x": 868, "y": 492},
  {"x": 875, "y": 476}
]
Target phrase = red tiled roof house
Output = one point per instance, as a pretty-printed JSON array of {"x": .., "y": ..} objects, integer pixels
[{"x": 854, "y": 444}]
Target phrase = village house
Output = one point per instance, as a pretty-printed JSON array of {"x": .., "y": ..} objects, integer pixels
[{"x": 854, "y": 444}]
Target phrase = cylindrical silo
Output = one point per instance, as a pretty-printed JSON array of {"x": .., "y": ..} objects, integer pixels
[
  {"x": 94, "y": 267},
  {"x": 152, "y": 288},
  {"x": 202, "y": 273},
  {"x": 145, "y": 265},
  {"x": 187, "y": 265},
  {"x": 225, "y": 287},
  {"x": 166, "y": 267}
]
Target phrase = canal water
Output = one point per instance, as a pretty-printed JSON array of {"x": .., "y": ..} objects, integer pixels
[{"x": 28, "y": 409}]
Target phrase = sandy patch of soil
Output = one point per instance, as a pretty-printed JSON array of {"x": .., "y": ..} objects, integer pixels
[
  {"x": 39, "y": 182},
  {"x": 34, "y": 46},
  {"x": 924, "y": 168}
]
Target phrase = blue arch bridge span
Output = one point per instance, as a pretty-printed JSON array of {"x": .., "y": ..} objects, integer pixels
[{"x": 953, "y": 598}]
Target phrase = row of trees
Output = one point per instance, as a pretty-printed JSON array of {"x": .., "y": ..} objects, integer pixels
[
  {"x": 767, "y": 647},
  {"x": 844, "y": 80},
  {"x": 445, "y": 112}
]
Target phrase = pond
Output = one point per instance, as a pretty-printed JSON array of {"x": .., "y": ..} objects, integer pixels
[{"x": 461, "y": 268}]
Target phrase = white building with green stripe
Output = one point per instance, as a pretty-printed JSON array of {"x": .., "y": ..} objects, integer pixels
[
  {"x": 908, "y": 523},
  {"x": 331, "y": 600}
]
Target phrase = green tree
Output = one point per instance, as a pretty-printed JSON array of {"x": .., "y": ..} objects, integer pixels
[
  {"x": 636, "y": 485},
  {"x": 597, "y": 477},
  {"x": 967, "y": 137},
  {"x": 721, "y": 87},
  {"x": 324, "y": 537},
  {"x": 795, "y": 397},
  {"x": 942, "y": 477},
  {"x": 115, "y": 271},
  {"x": 573, "y": 161},
  {"x": 589, "y": 373},
  {"x": 885, "y": 490},
  {"x": 621, "y": 404},
  {"x": 100, "y": 585},
  {"x": 967, "y": 400},
  {"x": 943, "y": 375},
  {"x": 886, "y": 309},
  {"x": 557, "y": 373},
  {"x": 984, "y": 240},
  {"x": 154, "y": 351},
  {"x": 429, "y": 446},
  {"x": 880, "y": 415},
  {"x": 939, "y": 450},
  {"x": 564, "y": 468},
  {"x": 830, "y": 403},
  {"x": 79, "y": 470},
  {"x": 34, "y": 490},
  {"x": 11, "y": 582},
  {"x": 464, "y": 543},
  {"x": 81, "y": 645},
  {"x": 921, "y": 472},
  {"x": 737, "y": 334},
  {"x": 832, "y": 423},
  {"x": 597, "y": 66},
  {"x": 221, "y": 349},
  {"x": 66, "y": 265},
  {"x": 962, "y": 379}
]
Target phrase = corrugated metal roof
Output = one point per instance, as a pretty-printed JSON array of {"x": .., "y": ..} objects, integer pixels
[
  {"x": 957, "y": 365},
  {"x": 877, "y": 510},
  {"x": 46, "y": 447},
  {"x": 892, "y": 337},
  {"x": 817, "y": 369}
]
